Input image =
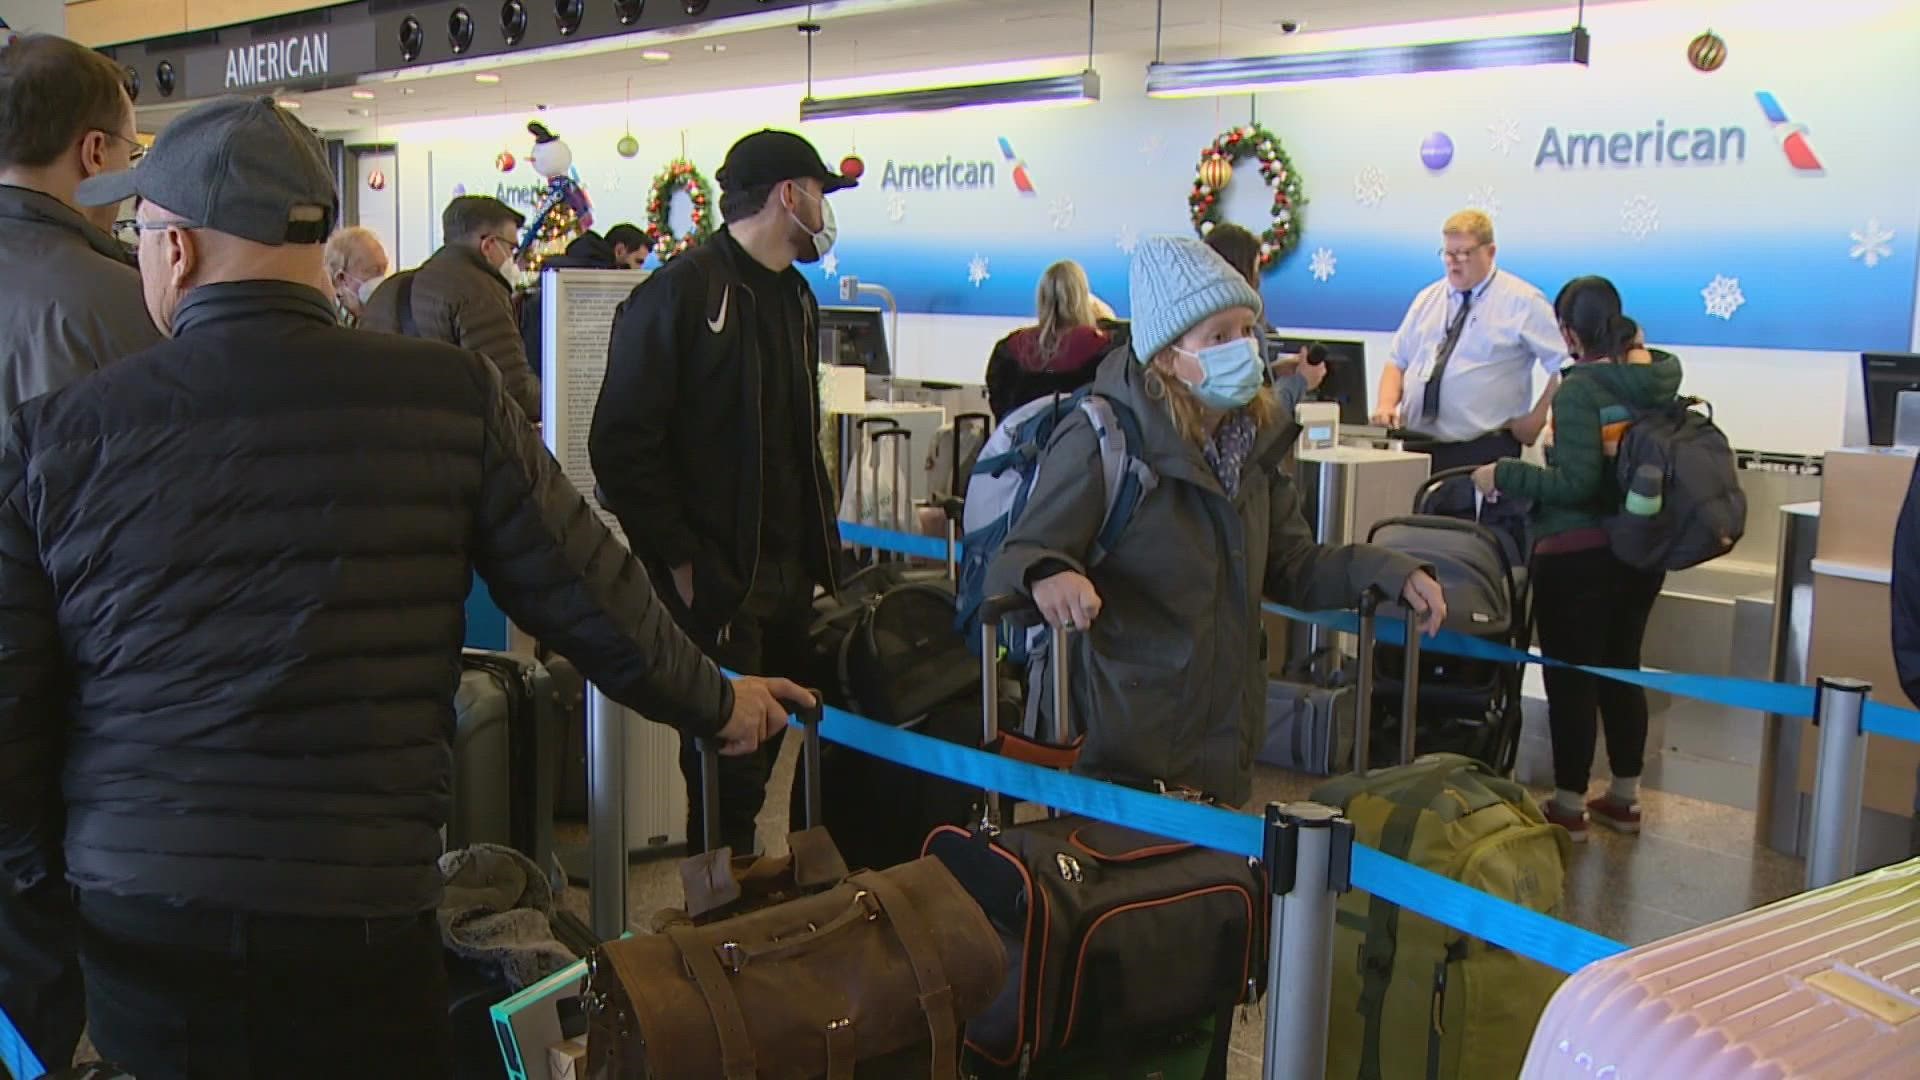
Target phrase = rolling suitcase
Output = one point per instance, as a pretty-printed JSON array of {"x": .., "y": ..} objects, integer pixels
[
  {"x": 1126, "y": 952},
  {"x": 1413, "y": 997},
  {"x": 1821, "y": 984},
  {"x": 506, "y": 740},
  {"x": 866, "y": 978}
]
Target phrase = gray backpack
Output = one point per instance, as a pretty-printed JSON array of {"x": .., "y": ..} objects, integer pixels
[{"x": 1702, "y": 511}]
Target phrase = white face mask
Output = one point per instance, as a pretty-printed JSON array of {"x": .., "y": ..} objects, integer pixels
[
  {"x": 367, "y": 287},
  {"x": 829, "y": 228}
]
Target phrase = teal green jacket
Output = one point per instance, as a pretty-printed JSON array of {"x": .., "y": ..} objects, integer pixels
[{"x": 1577, "y": 487}]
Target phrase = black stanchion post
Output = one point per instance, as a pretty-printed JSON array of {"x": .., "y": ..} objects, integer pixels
[
  {"x": 810, "y": 727},
  {"x": 1363, "y": 689},
  {"x": 1309, "y": 857},
  {"x": 607, "y": 815}
]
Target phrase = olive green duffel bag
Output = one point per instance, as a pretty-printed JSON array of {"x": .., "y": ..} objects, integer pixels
[{"x": 1413, "y": 998}]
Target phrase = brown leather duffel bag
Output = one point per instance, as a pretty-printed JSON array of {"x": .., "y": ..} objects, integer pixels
[{"x": 873, "y": 978}]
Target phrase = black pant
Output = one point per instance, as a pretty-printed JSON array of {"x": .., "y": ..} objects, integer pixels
[
  {"x": 40, "y": 970},
  {"x": 1592, "y": 609},
  {"x": 768, "y": 636},
  {"x": 177, "y": 993}
]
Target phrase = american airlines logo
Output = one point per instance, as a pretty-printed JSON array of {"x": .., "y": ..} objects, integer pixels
[{"x": 1660, "y": 145}]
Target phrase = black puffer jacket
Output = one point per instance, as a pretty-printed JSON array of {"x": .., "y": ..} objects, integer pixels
[{"x": 232, "y": 570}]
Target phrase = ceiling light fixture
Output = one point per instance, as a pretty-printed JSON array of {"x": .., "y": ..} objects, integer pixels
[
  {"x": 1078, "y": 89},
  {"x": 655, "y": 54},
  {"x": 287, "y": 103},
  {"x": 1240, "y": 75},
  {"x": 486, "y": 78},
  {"x": 714, "y": 47},
  {"x": 362, "y": 95},
  {"x": 1208, "y": 78}
]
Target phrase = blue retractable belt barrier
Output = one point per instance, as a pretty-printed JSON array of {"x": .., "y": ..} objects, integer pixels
[
  {"x": 1777, "y": 698},
  {"x": 1490, "y": 918},
  {"x": 16, "y": 1057}
]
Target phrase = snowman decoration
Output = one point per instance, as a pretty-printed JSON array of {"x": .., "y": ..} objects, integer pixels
[{"x": 564, "y": 211}]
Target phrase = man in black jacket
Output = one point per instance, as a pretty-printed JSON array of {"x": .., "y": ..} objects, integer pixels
[
  {"x": 234, "y": 566},
  {"x": 705, "y": 441},
  {"x": 70, "y": 303}
]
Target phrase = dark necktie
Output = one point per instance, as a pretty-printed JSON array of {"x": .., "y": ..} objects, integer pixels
[{"x": 1430, "y": 402}]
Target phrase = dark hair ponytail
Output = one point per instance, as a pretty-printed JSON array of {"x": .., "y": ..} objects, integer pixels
[{"x": 1590, "y": 307}]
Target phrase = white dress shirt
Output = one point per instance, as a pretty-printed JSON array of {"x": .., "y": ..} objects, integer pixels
[{"x": 1488, "y": 381}]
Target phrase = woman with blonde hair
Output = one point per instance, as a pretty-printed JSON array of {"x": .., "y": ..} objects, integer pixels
[
  {"x": 1058, "y": 354},
  {"x": 1168, "y": 681}
]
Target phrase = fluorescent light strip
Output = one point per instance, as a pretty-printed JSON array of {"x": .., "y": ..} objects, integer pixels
[
  {"x": 1056, "y": 90},
  {"x": 1204, "y": 78}
]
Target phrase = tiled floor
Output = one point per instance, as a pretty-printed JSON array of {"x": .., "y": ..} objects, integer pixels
[{"x": 1695, "y": 862}]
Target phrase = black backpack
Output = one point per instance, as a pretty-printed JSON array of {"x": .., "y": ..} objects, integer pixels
[{"x": 1702, "y": 513}]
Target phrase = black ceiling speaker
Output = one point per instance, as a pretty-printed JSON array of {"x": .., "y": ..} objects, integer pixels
[
  {"x": 133, "y": 82},
  {"x": 569, "y": 14},
  {"x": 628, "y": 11},
  {"x": 163, "y": 78},
  {"x": 693, "y": 7},
  {"x": 413, "y": 38},
  {"x": 513, "y": 21},
  {"x": 460, "y": 30}
]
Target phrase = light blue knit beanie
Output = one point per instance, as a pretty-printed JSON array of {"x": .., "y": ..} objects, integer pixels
[{"x": 1175, "y": 283}]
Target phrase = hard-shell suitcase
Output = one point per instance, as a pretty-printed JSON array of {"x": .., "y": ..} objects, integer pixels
[
  {"x": 1126, "y": 952},
  {"x": 1825, "y": 984},
  {"x": 1413, "y": 997},
  {"x": 506, "y": 739}
]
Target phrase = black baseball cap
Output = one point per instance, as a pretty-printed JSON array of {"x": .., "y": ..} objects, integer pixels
[
  {"x": 237, "y": 165},
  {"x": 768, "y": 157}
]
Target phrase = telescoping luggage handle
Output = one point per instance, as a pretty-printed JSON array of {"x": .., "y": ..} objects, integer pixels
[
  {"x": 810, "y": 760},
  {"x": 954, "y": 506},
  {"x": 1019, "y": 614},
  {"x": 1363, "y": 691}
]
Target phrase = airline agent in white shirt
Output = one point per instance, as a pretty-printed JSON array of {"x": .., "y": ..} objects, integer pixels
[{"x": 1461, "y": 371}]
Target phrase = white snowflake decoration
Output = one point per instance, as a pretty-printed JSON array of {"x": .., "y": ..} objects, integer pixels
[
  {"x": 1871, "y": 244},
  {"x": 977, "y": 270},
  {"x": 1062, "y": 213},
  {"x": 1369, "y": 186},
  {"x": 1503, "y": 135},
  {"x": 1128, "y": 239},
  {"x": 1640, "y": 217},
  {"x": 830, "y": 265},
  {"x": 1723, "y": 296},
  {"x": 896, "y": 208},
  {"x": 1322, "y": 266},
  {"x": 1485, "y": 200}
]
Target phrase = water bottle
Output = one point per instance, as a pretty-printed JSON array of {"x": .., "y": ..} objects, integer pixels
[{"x": 1644, "y": 494}]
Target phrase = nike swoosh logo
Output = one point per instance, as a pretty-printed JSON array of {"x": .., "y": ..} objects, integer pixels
[{"x": 719, "y": 322}]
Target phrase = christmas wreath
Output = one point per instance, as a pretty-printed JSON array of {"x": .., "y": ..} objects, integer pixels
[
  {"x": 1215, "y": 171},
  {"x": 679, "y": 175}
]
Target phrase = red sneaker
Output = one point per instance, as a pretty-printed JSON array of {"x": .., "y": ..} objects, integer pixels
[
  {"x": 1575, "y": 824},
  {"x": 1615, "y": 814}
]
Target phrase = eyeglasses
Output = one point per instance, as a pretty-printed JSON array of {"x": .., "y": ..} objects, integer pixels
[
  {"x": 134, "y": 154},
  {"x": 1456, "y": 256},
  {"x": 129, "y": 230}
]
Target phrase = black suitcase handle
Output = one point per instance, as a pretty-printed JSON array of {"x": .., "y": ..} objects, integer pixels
[
  {"x": 1369, "y": 606},
  {"x": 809, "y": 718}
]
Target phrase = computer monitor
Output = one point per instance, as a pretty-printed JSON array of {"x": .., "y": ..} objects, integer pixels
[
  {"x": 1346, "y": 381},
  {"x": 1882, "y": 377},
  {"x": 855, "y": 337}
]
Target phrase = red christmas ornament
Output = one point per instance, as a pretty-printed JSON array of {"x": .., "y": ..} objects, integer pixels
[
  {"x": 504, "y": 162},
  {"x": 852, "y": 167}
]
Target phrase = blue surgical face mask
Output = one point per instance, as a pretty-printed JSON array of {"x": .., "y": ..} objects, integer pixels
[{"x": 1231, "y": 373}]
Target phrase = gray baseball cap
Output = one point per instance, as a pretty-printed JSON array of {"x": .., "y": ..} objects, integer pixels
[{"x": 237, "y": 165}]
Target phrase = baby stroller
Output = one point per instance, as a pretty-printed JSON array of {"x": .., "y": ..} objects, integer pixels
[{"x": 1465, "y": 705}]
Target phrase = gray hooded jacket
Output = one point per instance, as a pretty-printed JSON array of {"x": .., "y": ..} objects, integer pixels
[
  {"x": 71, "y": 303},
  {"x": 1169, "y": 683}
]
